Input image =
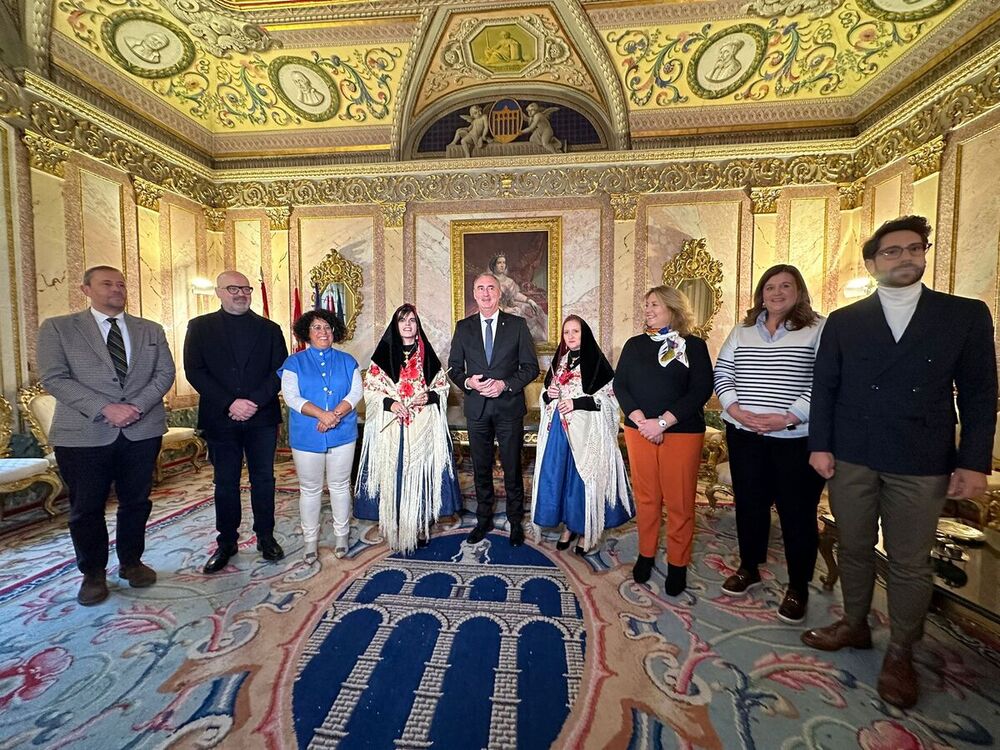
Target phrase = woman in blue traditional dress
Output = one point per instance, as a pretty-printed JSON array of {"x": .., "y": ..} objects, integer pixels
[
  {"x": 407, "y": 477},
  {"x": 580, "y": 479}
]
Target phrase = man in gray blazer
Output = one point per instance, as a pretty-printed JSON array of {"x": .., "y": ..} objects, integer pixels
[{"x": 109, "y": 372}]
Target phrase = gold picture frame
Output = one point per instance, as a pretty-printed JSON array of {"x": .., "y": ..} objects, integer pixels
[
  {"x": 697, "y": 274},
  {"x": 530, "y": 274},
  {"x": 337, "y": 277}
]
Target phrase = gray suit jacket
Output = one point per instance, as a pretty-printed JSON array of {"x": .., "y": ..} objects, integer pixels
[{"x": 76, "y": 368}]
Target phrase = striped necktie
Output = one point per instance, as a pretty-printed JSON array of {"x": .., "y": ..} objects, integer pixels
[{"x": 116, "y": 348}]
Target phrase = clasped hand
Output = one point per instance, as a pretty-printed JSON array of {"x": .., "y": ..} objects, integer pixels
[
  {"x": 242, "y": 409},
  {"x": 760, "y": 423},
  {"x": 120, "y": 415},
  {"x": 489, "y": 387},
  {"x": 328, "y": 419}
]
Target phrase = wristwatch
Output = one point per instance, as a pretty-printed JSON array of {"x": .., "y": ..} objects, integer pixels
[
  {"x": 790, "y": 427},
  {"x": 662, "y": 422}
]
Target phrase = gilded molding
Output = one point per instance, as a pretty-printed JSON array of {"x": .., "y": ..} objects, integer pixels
[
  {"x": 147, "y": 195},
  {"x": 624, "y": 206},
  {"x": 215, "y": 219},
  {"x": 393, "y": 213},
  {"x": 11, "y": 98},
  {"x": 852, "y": 194},
  {"x": 926, "y": 160},
  {"x": 765, "y": 200},
  {"x": 278, "y": 216},
  {"x": 46, "y": 155},
  {"x": 694, "y": 263}
]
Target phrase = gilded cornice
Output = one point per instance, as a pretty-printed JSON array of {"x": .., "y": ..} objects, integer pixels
[
  {"x": 393, "y": 213},
  {"x": 765, "y": 200},
  {"x": 147, "y": 195},
  {"x": 926, "y": 160},
  {"x": 46, "y": 155},
  {"x": 624, "y": 205},
  {"x": 11, "y": 98},
  {"x": 215, "y": 219},
  {"x": 852, "y": 194},
  {"x": 278, "y": 216}
]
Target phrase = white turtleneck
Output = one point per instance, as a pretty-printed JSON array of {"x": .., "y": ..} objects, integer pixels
[{"x": 898, "y": 304}]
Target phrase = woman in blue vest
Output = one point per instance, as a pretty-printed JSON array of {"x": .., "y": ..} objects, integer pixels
[{"x": 321, "y": 386}]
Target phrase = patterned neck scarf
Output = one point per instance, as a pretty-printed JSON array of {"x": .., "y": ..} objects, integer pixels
[{"x": 672, "y": 345}]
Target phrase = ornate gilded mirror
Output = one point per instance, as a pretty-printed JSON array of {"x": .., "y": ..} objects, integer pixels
[
  {"x": 336, "y": 284},
  {"x": 699, "y": 276}
]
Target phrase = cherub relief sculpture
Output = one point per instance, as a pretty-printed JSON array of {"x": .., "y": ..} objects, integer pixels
[
  {"x": 477, "y": 134},
  {"x": 541, "y": 129}
]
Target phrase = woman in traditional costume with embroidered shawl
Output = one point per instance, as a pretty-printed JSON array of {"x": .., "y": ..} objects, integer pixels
[
  {"x": 580, "y": 479},
  {"x": 407, "y": 477},
  {"x": 663, "y": 380}
]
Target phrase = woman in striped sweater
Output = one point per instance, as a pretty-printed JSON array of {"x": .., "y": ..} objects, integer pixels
[{"x": 763, "y": 378}]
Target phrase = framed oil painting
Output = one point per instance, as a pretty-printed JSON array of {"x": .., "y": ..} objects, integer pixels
[{"x": 525, "y": 255}]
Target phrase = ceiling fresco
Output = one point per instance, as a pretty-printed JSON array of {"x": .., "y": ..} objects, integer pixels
[{"x": 264, "y": 78}]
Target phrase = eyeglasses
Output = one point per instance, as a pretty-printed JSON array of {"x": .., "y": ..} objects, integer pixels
[
  {"x": 915, "y": 250},
  {"x": 320, "y": 328},
  {"x": 237, "y": 289}
]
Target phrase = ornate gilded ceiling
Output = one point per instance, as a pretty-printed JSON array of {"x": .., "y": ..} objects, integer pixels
[{"x": 238, "y": 80}]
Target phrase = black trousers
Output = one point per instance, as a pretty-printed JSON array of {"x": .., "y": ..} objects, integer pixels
[
  {"x": 226, "y": 452},
  {"x": 509, "y": 434},
  {"x": 770, "y": 470},
  {"x": 89, "y": 473}
]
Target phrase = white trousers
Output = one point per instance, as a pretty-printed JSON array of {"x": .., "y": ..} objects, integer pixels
[{"x": 335, "y": 466}]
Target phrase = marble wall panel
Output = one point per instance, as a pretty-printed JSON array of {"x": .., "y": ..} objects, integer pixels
[
  {"x": 150, "y": 266},
  {"x": 392, "y": 243},
  {"x": 847, "y": 258},
  {"x": 623, "y": 302},
  {"x": 353, "y": 236},
  {"x": 977, "y": 218},
  {"x": 278, "y": 278},
  {"x": 925, "y": 203},
  {"x": 101, "y": 214},
  {"x": 247, "y": 236},
  {"x": 10, "y": 363},
  {"x": 669, "y": 226},
  {"x": 765, "y": 244},
  {"x": 581, "y": 268},
  {"x": 887, "y": 199},
  {"x": 808, "y": 243},
  {"x": 184, "y": 268},
  {"x": 52, "y": 284}
]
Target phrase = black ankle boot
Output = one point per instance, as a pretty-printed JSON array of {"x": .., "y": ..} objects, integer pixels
[
  {"x": 677, "y": 579},
  {"x": 642, "y": 569}
]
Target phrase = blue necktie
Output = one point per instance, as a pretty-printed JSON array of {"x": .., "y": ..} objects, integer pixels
[{"x": 489, "y": 340}]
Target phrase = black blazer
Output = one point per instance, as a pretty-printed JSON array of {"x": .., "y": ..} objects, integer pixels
[
  {"x": 211, "y": 366},
  {"x": 891, "y": 405},
  {"x": 514, "y": 362}
]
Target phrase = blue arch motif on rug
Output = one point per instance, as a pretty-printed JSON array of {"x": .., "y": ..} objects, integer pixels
[{"x": 457, "y": 645}]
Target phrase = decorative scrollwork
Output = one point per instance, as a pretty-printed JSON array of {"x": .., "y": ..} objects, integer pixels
[
  {"x": 624, "y": 205},
  {"x": 696, "y": 273},
  {"x": 393, "y": 213},
  {"x": 335, "y": 273},
  {"x": 278, "y": 217},
  {"x": 215, "y": 219},
  {"x": 852, "y": 194},
  {"x": 46, "y": 155},
  {"x": 765, "y": 200},
  {"x": 147, "y": 195},
  {"x": 926, "y": 160}
]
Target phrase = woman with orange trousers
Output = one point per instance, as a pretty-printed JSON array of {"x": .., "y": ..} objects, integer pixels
[{"x": 663, "y": 379}]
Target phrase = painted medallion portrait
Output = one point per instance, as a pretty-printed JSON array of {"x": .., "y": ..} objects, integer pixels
[
  {"x": 726, "y": 61},
  {"x": 146, "y": 45},
  {"x": 904, "y": 10},
  {"x": 305, "y": 88}
]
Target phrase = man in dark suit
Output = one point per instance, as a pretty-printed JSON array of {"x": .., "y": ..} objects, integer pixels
[
  {"x": 492, "y": 359},
  {"x": 109, "y": 372},
  {"x": 882, "y": 432},
  {"x": 231, "y": 357}
]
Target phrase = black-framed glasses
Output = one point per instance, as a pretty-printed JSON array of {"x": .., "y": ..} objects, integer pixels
[
  {"x": 233, "y": 289},
  {"x": 895, "y": 251}
]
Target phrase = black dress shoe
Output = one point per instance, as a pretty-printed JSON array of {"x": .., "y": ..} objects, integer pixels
[
  {"x": 676, "y": 580},
  {"x": 422, "y": 542},
  {"x": 516, "y": 535},
  {"x": 479, "y": 533},
  {"x": 564, "y": 545},
  {"x": 220, "y": 559},
  {"x": 642, "y": 569},
  {"x": 269, "y": 548}
]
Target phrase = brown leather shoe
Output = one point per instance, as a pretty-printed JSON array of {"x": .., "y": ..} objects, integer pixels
[
  {"x": 838, "y": 635},
  {"x": 793, "y": 607},
  {"x": 897, "y": 683},
  {"x": 740, "y": 582},
  {"x": 139, "y": 576},
  {"x": 93, "y": 590}
]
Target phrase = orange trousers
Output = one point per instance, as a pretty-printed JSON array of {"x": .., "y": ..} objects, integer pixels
[{"x": 665, "y": 475}]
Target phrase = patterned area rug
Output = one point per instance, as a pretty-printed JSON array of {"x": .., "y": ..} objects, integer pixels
[{"x": 456, "y": 646}]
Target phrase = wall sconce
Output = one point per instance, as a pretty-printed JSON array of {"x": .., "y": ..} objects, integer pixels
[
  {"x": 859, "y": 286},
  {"x": 203, "y": 286}
]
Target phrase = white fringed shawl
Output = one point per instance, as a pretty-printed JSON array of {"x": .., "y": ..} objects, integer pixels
[
  {"x": 427, "y": 455},
  {"x": 593, "y": 438}
]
